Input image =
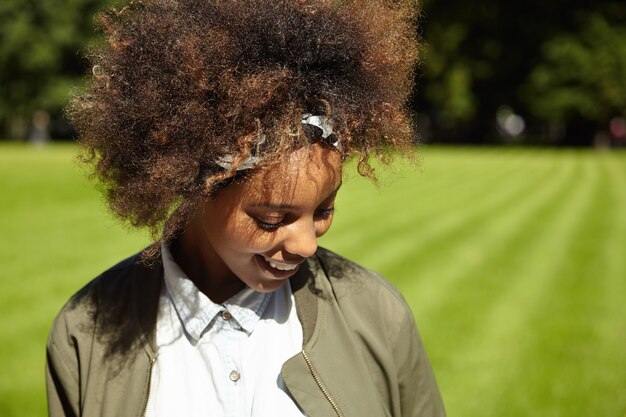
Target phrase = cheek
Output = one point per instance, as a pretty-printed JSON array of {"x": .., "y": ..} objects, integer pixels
[
  {"x": 322, "y": 226},
  {"x": 243, "y": 235},
  {"x": 256, "y": 244}
]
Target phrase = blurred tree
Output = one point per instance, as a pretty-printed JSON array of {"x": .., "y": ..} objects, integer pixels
[
  {"x": 486, "y": 55},
  {"x": 582, "y": 76},
  {"x": 41, "y": 47},
  {"x": 557, "y": 63}
]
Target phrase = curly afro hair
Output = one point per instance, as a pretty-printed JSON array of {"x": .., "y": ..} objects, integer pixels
[{"x": 180, "y": 83}]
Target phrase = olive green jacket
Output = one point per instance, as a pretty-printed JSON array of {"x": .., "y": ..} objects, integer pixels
[{"x": 361, "y": 355}]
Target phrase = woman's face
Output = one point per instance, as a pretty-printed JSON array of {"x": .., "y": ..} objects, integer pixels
[{"x": 260, "y": 231}]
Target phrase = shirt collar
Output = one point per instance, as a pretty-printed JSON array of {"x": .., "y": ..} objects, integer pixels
[{"x": 197, "y": 312}]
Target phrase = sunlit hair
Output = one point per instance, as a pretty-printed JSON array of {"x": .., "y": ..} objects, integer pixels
[{"x": 178, "y": 84}]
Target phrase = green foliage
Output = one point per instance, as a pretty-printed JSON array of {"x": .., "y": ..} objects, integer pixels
[
  {"x": 519, "y": 293},
  {"x": 449, "y": 78},
  {"x": 582, "y": 73},
  {"x": 43, "y": 42},
  {"x": 553, "y": 62}
]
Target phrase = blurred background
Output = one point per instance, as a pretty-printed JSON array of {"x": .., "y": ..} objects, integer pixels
[
  {"x": 533, "y": 72},
  {"x": 508, "y": 241}
]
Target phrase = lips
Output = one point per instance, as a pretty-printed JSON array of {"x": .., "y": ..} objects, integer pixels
[
  {"x": 281, "y": 266},
  {"x": 278, "y": 269}
]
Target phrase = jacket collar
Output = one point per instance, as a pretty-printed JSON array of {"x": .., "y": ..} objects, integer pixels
[
  {"x": 306, "y": 294},
  {"x": 305, "y": 285}
]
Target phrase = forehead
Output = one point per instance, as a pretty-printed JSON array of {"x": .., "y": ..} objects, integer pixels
[{"x": 310, "y": 173}]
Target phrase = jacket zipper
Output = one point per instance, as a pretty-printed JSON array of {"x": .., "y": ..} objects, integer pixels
[
  {"x": 319, "y": 384},
  {"x": 149, "y": 388}
]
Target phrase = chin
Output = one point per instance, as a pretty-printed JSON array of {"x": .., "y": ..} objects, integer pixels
[{"x": 267, "y": 286}]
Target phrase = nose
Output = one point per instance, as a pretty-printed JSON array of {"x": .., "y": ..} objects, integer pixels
[{"x": 301, "y": 239}]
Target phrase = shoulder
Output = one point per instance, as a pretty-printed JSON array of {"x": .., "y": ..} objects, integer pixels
[
  {"x": 365, "y": 293},
  {"x": 116, "y": 303},
  {"x": 383, "y": 324},
  {"x": 116, "y": 281},
  {"x": 88, "y": 296},
  {"x": 346, "y": 275},
  {"x": 108, "y": 286},
  {"x": 98, "y": 335}
]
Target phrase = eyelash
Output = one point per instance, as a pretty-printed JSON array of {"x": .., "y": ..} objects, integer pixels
[
  {"x": 268, "y": 227},
  {"x": 324, "y": 213},
  {"x": 272, "y": 227}
]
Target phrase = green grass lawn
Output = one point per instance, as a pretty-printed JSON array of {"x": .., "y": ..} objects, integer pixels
[{"x": 513, "y": 260}]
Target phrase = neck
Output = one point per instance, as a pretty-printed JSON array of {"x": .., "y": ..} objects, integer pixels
[{"x": 204, "y": 267}]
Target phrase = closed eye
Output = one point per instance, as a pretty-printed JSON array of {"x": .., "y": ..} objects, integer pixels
[
  {"x": 323, "y": 214},
  {"x": 268, "y": 226}
]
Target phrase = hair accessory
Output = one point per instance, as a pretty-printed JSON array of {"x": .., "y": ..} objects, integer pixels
[
  {"x": 226, "y": 161},
  {"x": 317, "y": 128},
  {"x": 320, "y": 129}
]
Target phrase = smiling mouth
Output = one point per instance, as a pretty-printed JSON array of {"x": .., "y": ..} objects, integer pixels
[{"x": 281, "y": 266}]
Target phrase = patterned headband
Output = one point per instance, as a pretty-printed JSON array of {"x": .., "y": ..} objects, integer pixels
[{"x": 318, "y": 128}]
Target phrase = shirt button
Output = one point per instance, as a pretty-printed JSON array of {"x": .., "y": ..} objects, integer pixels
[
  {"x": 226, "y": 315},
  {"x": 234, "y": 376}
]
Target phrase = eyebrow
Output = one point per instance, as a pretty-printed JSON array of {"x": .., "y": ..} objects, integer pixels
[{"x": 272, "y": 206}]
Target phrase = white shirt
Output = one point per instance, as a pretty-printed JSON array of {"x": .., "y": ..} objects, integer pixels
[{"x": 222, "y": 360}]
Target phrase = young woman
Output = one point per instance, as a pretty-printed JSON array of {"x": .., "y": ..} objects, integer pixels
[{"x": 223, "y": 126}]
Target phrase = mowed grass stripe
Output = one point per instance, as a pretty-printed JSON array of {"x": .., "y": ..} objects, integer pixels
[
  {"x": 580, "y": 254},
  {"x": 461, "y": 297},
  {"x": 56, "y": 235},
  {"x": 435, "y": 213},
  {"x": 404, "y": 184},
  {"x": 500, "y": 334},
  {"x": 581, "y": 323},
  {"x": 426, "y": 192},
  {"x": 614, "y": 259},
  {"x": 448, "y": 301},
  {"x": 568, "y": 330},
  {"x": 52, "y": 197},
  {"x": 429, "y": 277},
  {"x": 612, "y": 326},
  {"x": 456, "y": 280},
  {"x": 425, "y": 237},
  {"x": 508, "y": 257}
]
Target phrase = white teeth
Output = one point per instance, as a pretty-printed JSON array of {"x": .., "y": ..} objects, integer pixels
[{"x": 281, "y": 267}]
